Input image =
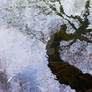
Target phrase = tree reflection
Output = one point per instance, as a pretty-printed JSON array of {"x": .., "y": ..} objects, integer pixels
[{"x": 66, "y": 73}]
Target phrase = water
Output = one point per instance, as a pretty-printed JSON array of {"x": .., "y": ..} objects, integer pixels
[{"x": 24, "y": 33}]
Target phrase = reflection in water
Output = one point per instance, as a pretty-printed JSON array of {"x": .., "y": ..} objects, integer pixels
[
  {"x": 66, "y": 73},
  {"x": 15, "y": 48}
]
